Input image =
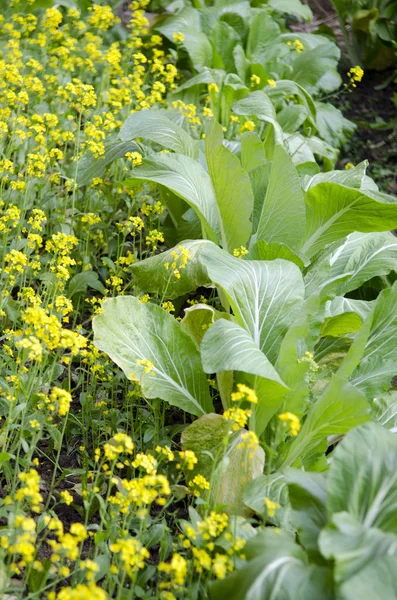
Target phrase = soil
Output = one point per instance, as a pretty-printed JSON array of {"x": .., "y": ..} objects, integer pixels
[
  {"x": 372, "y": 106},
  {"x": 375, "y": 138}
]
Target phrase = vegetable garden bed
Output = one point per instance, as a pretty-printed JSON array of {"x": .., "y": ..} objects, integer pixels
[{"x": 198, "y": 304}]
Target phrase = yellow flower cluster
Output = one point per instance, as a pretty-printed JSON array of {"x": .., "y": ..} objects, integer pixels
[
  {"x": 292, "y": 421},
  {"x": 297, "y": 45},
  {"x": 244, "y": 393},
  {"x": 179, "y": 262},
  {"x": 355, "y": 74},
  {"x": 132, "y": 554},
  {"x": 271, "y": 506},
  {"x": 240, "y": 252},
  {"x": 238, "y": 415},
  {"x": 198, "y": 484}
]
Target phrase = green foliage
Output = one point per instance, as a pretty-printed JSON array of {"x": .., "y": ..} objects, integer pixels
[{"x": 370, "y": 28}]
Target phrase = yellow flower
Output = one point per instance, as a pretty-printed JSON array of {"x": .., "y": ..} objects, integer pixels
[
  {"x": 349, "y": 166},
  {"x": 178, "y": 37},
  {"x": 247, "y": 126},
  {"x": 147, "y": 364},
  {"x": 292, "y": 421},
  {"x": 271, "y": 506},
  {"x": 355, "y": 74},
  {"x": 271, "y": 82},
  {"x": 132, "y": 554},
  {"x": 135, "y": 158},
  {"x": 240, "y": 252},
  {"x": 177, "y": 569},
  {"x": 255, "y": 80},
  {"x": 66, "y": 497},
  {"x": 212, "y": 87},
  {"x": 244, "y": 393},
  {"x": 198, "y": 483},
  {"x": 238, "y": 415},
  {"x": 297, "y": 44}
]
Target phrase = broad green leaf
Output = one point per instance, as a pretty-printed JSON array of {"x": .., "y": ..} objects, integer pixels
[
  {"x": 264, "y": 32},
  {"x": 198, "y": 47},
  {"x": 294, "y": 7},
  {"x": 292, "y": 117},
  {"x": 316, "y": 69},
  {"x": 339, "y": 325},
  {"x": 130, "y": 331},
  {"x": 283, "y": 215},
  {"x": 84, "y": 280},
  {"x": 198, "y": 318},
  {"x": 352, "y": 546},
  {"x": 374, "y": 257},
  {"x": 265, "y": 295},
  {"x": 275, "y": 565},
  {"x": 362, "y": 479},
  {"x": 340, "y": 408},
  {"x": 263, "y": 251},
  {"x": 224, "y": 459},
  {"x": 228, "y": 347},
  {"x": 376, "y": 370},
  {"x": 90, "y": 167},
  {"x": 252, "y": 151},
  {"x": 224, "y": 39},
  {"x": 232, "y": 189},
  {"x": 339, "y": 305},
  {"x": 334, "y": 211},
  {"x": 332, "y": 125},
  {"x": 377, "y": 580},
  {"x": 273, "y": 487},
  {"x": 153, "y": 125},
  {"x": 186, "y": 178},
  {"x": 354, "y": 178},
  {"x": 259, "y": 104},
  {"x": 156, "y": 275},
  {"x": 307, "y": 494},
  {"x": 384, "y": 410},
  {"x": 286, "y": 87}
]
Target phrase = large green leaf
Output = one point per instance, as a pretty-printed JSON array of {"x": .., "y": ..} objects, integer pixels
[
  {"x": 275, "y": 488},
  {"x": 354, "y": 178},
  {"x": 377, "y": 580},
  {"x": 316, "y": 69},
  {"x": 198, "y": 318},
  {"x": 340, "y": 408},
  {"x": 232, "y": 190},
  {"x": 378, "y": 367},
  {"x": 361, "y": 257},
  {"x": 295, "y": 7},
  {"x": 263, "y": 251},
  {"x": 224, "y": 459},
  {"x": 283, "y": 215},
  {"x": 332, "y": 125},
  {"x": 265, "y": 295},
  {"x": 375, "y": 256},
  {"x": 186, "y": 178},
  {"x": 307, "y": 494},
  {"x": 276, "y": 565},
  {"x": 153, "y": 125},
  {"x": 362, "y": 479},
  {"x": 228, "y": 347},
  {"x": 90, "y": 166},
  {"x": 335, "y": 211},
  {"x": 264, "y": 32},
  {"x": 259, "y": 104},
  {"x": 153, "y": 275},
  {"x": 352, "y": 546},
  {"x": 130, "y": 331}
]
